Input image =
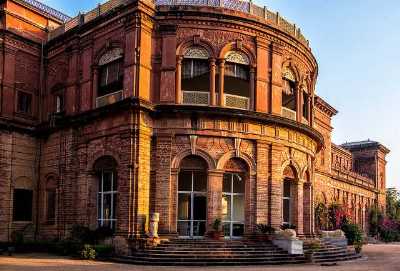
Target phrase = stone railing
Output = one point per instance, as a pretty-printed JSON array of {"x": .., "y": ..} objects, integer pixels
[
  {"x": 353, "y": 177},
  {"x": 235, "y": 101},
  {"x": 46, "y": 9},
  {"x": 289, "y": 114},
  {"x": 195, "y": 97},
  {"x": 109, "y": 99},
  {"x": 272, "y": 18}
]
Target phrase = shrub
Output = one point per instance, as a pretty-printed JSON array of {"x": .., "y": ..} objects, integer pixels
[
  {"x": 216, "y": 224},
  {"x": 265, "y": 229},
  {"x": 288, "y": 227},
  {"x": 103, "y": 251},
  {"x": 353, "y": 232},
  {"x": 103, "y": 233},
  {"x": 389, "y": 230},
  {"x": 88, "y": 252}
]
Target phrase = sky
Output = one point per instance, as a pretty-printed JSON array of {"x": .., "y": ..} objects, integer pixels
[{"x": 356, "y": 45}]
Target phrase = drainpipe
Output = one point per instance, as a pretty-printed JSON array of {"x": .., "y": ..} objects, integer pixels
[{"x": 39, "y": 152}]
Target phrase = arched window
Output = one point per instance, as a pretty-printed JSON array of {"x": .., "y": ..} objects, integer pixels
[
  {"x": 196, "y": 76},
  {"x": 289, "y": 100},
  {"x": 107, "y": 192},
  {"x": 192, "y": 197},
  {"x": 110, "y": 77},
  {"x": 306, "y": 103},
  {"x": 237, "y": 80},
  {"x": 233, "y": 198},
  {"x": 288, "y": 190}
]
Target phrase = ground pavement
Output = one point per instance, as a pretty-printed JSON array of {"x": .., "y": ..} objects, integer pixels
[{"x": 376, "y": 258}]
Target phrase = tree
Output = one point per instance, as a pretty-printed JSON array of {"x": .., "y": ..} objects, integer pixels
[{"x": 393, "y": 204}]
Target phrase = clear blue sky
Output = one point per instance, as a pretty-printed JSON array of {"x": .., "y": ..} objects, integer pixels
[{"x": 356, "y": 44}]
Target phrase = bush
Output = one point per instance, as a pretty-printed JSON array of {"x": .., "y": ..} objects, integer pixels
[
  {"x": 288, "y": 227},
  {"x": 353, "y": 232},
  {"x": 88, "y": 253},
  {"x": 103, "y": 251},
  {"x": 265, "y": 229},
  {"x": 103, "y": 233},
  {"x": 389, "y": 230}
]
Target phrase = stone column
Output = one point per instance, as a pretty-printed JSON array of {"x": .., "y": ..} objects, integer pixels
[
  {"x": 309, "y": 110},
  {"x": 307, "y": 206},
  {"x": 214, "y": 197},
  {"x": 213, "y": 99},
  {"x": 298, "y": 208},
  {"x": 221, "y": 82},
  {"x": 252, "y": 88},
  {"x": 299, "y": 104},
  {"x": 178, "y": 80},
  {"x": 275, "y": 187},
  {"x": 95, "y": 85}
]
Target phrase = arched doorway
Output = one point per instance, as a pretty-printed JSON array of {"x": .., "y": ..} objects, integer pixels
[
  {"x": 288, "y": 196},
  {"x": 192, "y": 197},
  {"x": 233, "y": 198}
]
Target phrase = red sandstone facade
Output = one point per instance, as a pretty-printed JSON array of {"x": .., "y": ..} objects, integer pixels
[{"x": 193, "y": 112}]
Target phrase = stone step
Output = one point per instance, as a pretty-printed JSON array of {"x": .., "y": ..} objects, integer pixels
[
  {"x": 220, "y": 263},
  {"x": 339, "y": 259},
  {"x": 211, "y": 255}
]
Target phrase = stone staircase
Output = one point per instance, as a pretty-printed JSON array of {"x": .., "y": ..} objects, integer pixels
[
  {"x": 332, "y": 253},
  {"x": 178, "y": 252}
]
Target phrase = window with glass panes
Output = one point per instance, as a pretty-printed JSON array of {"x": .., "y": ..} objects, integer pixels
[{"x": 107, "y": 198}]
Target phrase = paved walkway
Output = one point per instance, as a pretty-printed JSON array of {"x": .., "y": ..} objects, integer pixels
[{"x": 377, "y": 258}]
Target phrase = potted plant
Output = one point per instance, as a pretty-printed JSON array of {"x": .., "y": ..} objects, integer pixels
[
  {"x": 358, "y": 246},
  {"x": 265, "y": 232},
  {"x": 216, "y": 232}
]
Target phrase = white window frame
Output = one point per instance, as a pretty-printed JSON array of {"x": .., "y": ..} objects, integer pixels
[{"x": 101, "y": 220}]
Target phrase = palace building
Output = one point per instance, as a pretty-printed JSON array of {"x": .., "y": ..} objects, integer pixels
[{"x": 196, "y": 110}]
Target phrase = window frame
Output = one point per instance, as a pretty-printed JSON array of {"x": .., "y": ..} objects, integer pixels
[
  {"x": 101, "y": 194},
  {"x": 114, "y": 86},
  {"x": 16, "y": 212},
  {"x": 29, "y": 109}
]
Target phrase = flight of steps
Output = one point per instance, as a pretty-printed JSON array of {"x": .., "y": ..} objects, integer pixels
[
  {"x": 210, "y": 252},
  {"x": 331, "y": 253}
]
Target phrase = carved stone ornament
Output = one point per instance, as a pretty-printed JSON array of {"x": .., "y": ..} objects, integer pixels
[
  {"x": 193, "y": 144},
  {"x": 111, "y": 56},
  {"x": 237, "y": 57},
  {"x": 196, "y": 53},
  {"x": 238, "y": 142},
  {"x": 288, "y": 74}
]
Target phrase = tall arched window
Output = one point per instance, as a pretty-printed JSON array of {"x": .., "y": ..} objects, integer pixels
[
  {"x": 288, "y": 199},
  {"x": 196, "y": 76},
  {"x": 233, "y": 198},
  {"x": 192, "y": 197},
  {"x": 306, "y": 104},
  {"x": 237, "y": 80},
  {"x": 110, "y": 77},
  {"x": 289, "y": 95},
  {"x": 107, "y": 192}
]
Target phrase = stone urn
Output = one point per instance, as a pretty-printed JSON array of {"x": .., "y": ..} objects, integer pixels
[{"x": 153, "y": 227}]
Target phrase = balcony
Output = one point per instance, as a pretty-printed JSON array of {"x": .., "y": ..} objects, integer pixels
[
  {"x": 288, "y": 113},
  {"x": 109, "y": 99}
]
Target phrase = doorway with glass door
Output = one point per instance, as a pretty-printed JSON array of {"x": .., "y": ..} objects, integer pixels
[
  {"x": 192, "y": 203},
  {"x": 233, "y": 191}
]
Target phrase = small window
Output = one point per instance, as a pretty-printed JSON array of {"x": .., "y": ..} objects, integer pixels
[
  {"x": 22, "y": 205},
  {"x": 305, "y": 105},
  {"x": 111, "y": 77},
  {"x": 59, "y": 103},
  {"x": 51, "y": 206},
  {"x": 24, "y": 102}
]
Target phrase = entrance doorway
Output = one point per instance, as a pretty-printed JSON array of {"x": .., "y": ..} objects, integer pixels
[
  {"x": 192, "y": 200},
  {"x": 233, "y": 191}
]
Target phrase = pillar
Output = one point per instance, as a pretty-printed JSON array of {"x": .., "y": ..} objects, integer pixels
[
  {"x": 213, "y": 98},
  {"x": 178, "y": 80},
  {"x": 275, "y": 187},
  {"x": 298, "y": 207},
  {"x": 221, "y": 82},
  {"x": 252, "y": 88},
  {"x": 307, "y": 209},
  {"x": 214, "y": 197},
  {"x": 299, "y": 104}
]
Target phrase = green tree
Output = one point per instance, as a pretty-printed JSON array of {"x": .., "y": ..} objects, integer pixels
[{"x": 393, "y": 204}]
